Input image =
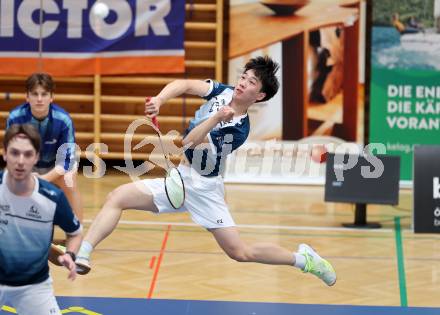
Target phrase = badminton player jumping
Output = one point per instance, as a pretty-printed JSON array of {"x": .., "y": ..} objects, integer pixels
[{"x": 220, "y": 126}]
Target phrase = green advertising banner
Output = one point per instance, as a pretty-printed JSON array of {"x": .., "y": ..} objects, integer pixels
[{"x": 405, "y": 77}]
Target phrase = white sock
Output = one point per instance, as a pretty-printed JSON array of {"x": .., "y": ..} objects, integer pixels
[
  {"x": 86, "y": 249},
  {"x": 300, "y": 261}
]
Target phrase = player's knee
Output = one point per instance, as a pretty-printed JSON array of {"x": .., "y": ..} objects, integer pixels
[
  {"x": 238, "y": 254},
  {"x": 113, "y": 197},
  {"x": 118, "y": 198}
]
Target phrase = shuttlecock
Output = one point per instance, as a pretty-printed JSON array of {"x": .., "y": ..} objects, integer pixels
[{"x": 100, "y": 9}]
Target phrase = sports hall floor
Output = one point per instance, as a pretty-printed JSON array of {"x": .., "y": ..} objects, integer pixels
[{"x": 167, "y": 265}]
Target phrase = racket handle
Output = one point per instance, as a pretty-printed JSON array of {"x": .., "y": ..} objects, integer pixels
[
  {"x": 155, "y": 122},
  {"x": 154, "y": 119}
]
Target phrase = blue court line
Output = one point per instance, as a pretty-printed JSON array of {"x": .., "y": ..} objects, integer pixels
[
  {"x": 400, "y": 263},
  {"x": 119, "y": 306}
]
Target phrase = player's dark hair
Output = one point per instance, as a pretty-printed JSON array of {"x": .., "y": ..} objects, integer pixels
[
  {"x": 40, "y": 79},
  {"x": 265, "y": 70},
  {"x": 27, "y": 131}
]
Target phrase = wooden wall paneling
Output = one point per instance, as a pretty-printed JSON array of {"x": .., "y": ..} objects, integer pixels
[{"x": 102, "y": 107}]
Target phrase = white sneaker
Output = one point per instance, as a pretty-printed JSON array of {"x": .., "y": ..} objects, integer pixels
[
  {"x": 317, "y": 265},
  {"x": 82, "y": 260},
  {"x": 82, "y": 264}
]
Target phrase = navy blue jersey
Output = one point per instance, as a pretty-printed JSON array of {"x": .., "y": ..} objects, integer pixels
[
  {"x": 223, "y": 138},
  {"x": 55, "y": 130},
  {"x": 26, "y": 229}
]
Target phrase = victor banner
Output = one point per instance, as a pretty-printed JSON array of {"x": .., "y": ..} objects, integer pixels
[{"x": 82, "y": 37}]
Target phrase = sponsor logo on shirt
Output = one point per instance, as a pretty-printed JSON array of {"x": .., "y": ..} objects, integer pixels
[
  {"x": 50, "y": 192},
  {"x": 53, "y": 141},
  {"x": 3, "y": 220},
  {"x": 216, "y": 103},
  {"x": 5, "y": 208},
  {"x": 75, "y": 220},
  {"x": 33, "y": 213}
]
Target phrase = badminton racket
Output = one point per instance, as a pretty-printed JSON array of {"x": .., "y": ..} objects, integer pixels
[{"x": 174, "y": 186}]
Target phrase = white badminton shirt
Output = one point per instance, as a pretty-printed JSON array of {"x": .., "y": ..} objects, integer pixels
[
  {"x": 223, "y": 138},
  {"x": 26, "y": 230}
]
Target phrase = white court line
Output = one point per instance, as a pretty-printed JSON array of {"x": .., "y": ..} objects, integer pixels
[{"x": 260, "y": 227}]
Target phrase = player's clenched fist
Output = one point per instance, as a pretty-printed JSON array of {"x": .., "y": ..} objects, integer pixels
[{"x": 226, "y": 113}]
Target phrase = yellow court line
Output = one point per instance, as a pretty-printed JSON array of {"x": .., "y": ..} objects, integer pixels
[{"x": 72, "y": 309}]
